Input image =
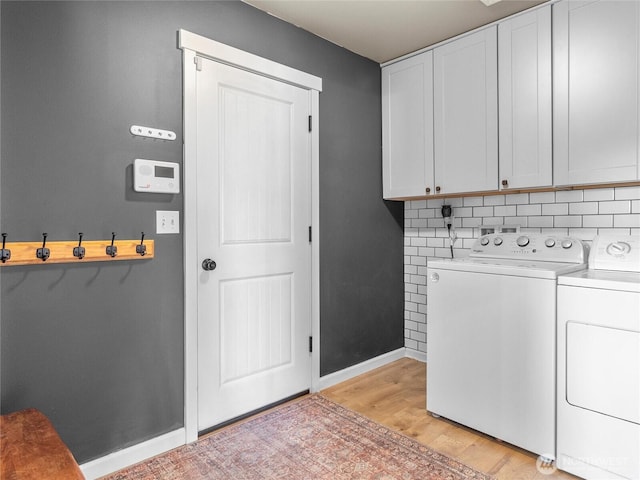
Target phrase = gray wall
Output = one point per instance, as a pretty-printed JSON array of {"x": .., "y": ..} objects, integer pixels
[{"x": 99, "y": 347}]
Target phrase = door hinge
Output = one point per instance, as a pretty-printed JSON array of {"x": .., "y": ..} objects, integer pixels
[
  {"x": 310, "y": 234},
  {"x": 310, "y": 344},
  {"x": 310, "y": 122},
  {"x": 198, "y": 62}
]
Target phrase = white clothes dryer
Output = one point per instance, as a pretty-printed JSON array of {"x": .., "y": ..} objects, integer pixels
[{"x": 598, "y": 425}]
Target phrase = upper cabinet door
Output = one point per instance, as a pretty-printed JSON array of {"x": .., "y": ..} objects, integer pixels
[
  {"x": 596, "y": 61},
  {"x": 407, "y": 127},
  {"x": 524, "y": 74},
  {"x": 466, "y": 114}
]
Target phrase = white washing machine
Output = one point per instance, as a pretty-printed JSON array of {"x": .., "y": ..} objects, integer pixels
[
  {"x": 599, "y": 363},
  {"x": 491, "y": 336}
]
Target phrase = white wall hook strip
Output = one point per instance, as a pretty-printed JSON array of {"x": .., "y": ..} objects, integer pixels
[{"x": 141, "y": 131}]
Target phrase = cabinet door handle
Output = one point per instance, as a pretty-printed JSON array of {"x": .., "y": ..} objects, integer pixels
[
  {"x": 437, "y": 189},
  {"x": 505, "y": 183},
  {"x": 428, "y": 190}
]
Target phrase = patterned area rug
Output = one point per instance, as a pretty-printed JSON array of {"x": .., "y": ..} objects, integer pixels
[{"x": 310, "y": 439}]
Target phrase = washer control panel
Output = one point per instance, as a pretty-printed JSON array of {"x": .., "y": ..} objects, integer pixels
[
  {"x": 535, "y": 246},
  {"x": 615, "y": 252}
]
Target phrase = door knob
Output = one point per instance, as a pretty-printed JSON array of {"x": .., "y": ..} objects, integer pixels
[{"x": 208, "y": 264}]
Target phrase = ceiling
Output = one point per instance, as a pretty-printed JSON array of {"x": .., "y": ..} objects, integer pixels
[{"x": 386, "y": 29}]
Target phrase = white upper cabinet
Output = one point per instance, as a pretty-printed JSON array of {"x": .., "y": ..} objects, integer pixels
[
  {"x": 596, "y": 108},
  {"x": 466, "y": 114},
  {"x": 524, "y": 78},
  {"x": 407, "y": 127}
]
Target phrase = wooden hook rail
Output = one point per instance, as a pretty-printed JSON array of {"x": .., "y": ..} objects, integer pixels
[{"x": 24, "y": 253}]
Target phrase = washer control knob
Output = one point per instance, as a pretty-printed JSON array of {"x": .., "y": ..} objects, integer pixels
[
  {"x": 522, "y": 241},
  {"x": 566, "y": 243},
  {"x": 484, "y": 241},
  {"x": 550, "y": 242},
  {"x": 497, "y": 241}
]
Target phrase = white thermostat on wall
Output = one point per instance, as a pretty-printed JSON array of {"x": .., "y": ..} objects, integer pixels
[{"x": 156, "y": 177}]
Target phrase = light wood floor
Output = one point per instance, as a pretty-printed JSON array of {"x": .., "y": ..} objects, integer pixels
[{"x": 394, "y": 395}]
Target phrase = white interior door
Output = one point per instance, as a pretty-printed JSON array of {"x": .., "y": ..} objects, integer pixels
[{"x": 253, "y": 218}]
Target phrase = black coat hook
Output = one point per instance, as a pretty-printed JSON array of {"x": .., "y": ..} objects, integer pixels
[
  {"x": 43, "y": 253},
  {"x": 142, "y": 248},
  {"x": 79, "y": 251},
  {"x": 5, "y": 254},
  {"x": 112, "y": 250}
]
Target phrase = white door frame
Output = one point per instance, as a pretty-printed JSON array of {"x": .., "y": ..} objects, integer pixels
[{"x": 192, "y": 46}]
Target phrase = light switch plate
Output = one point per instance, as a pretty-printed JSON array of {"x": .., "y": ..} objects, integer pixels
[{"x": 167, "y": 221}]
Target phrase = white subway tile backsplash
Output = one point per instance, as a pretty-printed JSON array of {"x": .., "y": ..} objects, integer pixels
[
  {"x": 483, "y": 211},
  {"x": 542, "y": 197},
  {"x": 494, "y": 200},
  {"x": 616, "y": 231},
  {"x": 627, "y": 193},
  {"x": 418, "y": 241},
  {"x": 410, "y": 250},
  {"x": 419, "y": 222},
  {"x": 505, "y": 211},
  {"x": 583, "y": 233},
  {"x": 415, "y": 260},
  {"x": 581, "y": 214},
  {"x": 465, "y": 233},
  {"x": 569, "y": 196},
  {"x": 472, "y": 201},
  {"x": 583, "y": 208},
  {"x": 545, "y": 222},
  {"x": 419, "y": 336},
  {"x": 599, "y": 194},
  {"x": 555, "y": 209},
  {"x": 492, "y": 220},
  {"x": 427, "y": 232},
  {"x": 471, "y": 222},
  {"x": 435, "y": 242},
  {"x": 517, "y": 198},
  {"x": 528, "y": 210},
  {"x": 618, "y": 206},
  {"x": 522, "y": 221},
  {"x": 463, "y": 212},
  {"x": 626, "y": 221},
  {"x": 597, "y": 221},
  {"x": 559, "y": 232},
  {"x": 568, "y": 221}
]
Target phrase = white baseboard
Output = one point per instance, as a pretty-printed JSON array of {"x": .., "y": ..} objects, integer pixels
[
  {"x": 416, "y": 355},
  {"x": 129, "y": 456},
  {"x": 364, "y": 367}
]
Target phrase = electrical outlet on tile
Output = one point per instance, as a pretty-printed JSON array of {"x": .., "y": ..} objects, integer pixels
[{"x": 167, "y": 221}]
